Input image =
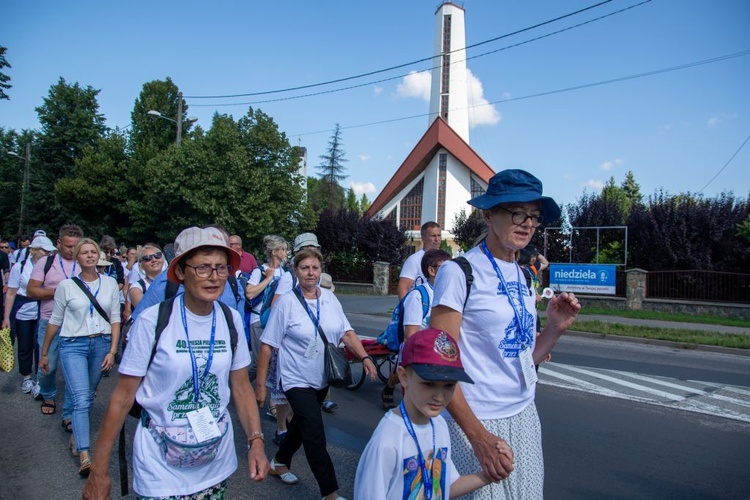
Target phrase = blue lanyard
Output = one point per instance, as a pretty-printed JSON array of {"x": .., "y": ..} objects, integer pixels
[
  {"x": 426, "y": 476},
  {"x": 72, "y": 273},
  {"x": 317, "y": 307},
  {"x": 99, "y": 287},
  {"x": 196, "y": 381},
  {"x": 518, "y": 314}
]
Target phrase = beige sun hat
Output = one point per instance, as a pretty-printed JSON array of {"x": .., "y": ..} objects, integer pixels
[{"x": 195, "y": 237}]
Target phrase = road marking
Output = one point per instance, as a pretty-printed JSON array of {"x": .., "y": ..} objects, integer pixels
[{"x": 689, "y": 395}]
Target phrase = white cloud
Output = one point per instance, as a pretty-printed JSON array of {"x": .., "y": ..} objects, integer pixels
[
  {"x": 378, "y": 90},
  {"x": 609, "y": 165},
  {"x": 361, "y": 188},
  {"x": 594, "y": 184},
  {"x": 415, "y": 84},
  {"x": 481, "y": 112},
  {"x": 364, "y": 157},
  {"x": 720, "y": 117}
]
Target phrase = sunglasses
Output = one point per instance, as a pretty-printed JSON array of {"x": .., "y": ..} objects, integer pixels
[{"x": 149, "y": 258}]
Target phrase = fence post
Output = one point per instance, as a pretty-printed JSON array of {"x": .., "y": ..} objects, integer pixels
[
  {"x": 635, "y": 290},
  {"x": 380, "y": 276}
]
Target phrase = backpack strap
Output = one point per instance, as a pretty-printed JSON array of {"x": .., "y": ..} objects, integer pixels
[
  {"x": 48, "y": 264},
  {"x": 468, "y": 273},
  {"x": 91, "y": 298},
  {"x": 425, "y": 300},
  {"x": 235, "y": 289},
  {"x": 232, "y": 328},
  {"x": 170, "y": 290}
]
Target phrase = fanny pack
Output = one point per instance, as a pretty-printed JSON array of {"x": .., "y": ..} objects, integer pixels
[{"x": 179, "y": 446}]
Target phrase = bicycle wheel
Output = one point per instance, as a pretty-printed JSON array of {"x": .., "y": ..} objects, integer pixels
[
  {"x": 358, "y": 374},
  {"x": 386, "y": 364}
]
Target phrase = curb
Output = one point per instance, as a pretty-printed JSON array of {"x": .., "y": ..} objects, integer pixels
[{"x": 662, "y": 343}]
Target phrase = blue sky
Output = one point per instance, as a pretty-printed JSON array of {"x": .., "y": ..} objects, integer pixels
[{"x": 674, "y": 130}]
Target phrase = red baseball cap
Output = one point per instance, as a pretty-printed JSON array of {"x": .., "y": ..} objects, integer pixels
[{"x": 434, "y": 355}]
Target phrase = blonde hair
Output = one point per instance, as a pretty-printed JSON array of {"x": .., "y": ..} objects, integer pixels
[{"x": 84, "y": 241}]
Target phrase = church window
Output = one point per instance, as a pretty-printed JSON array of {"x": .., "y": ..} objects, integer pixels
[
  {"x": 442, "y": 174},
  {"x": 411, "y": 208}
]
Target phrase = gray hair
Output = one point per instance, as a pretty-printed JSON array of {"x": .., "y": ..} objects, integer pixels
[{"x": 272, "y": 242}]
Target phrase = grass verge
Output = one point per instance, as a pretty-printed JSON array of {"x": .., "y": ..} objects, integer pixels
[
  {"x": 679, "y": 317},
  {"x": 670, "y": 334}
]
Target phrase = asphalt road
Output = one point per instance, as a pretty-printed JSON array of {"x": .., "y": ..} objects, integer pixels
[{"x": 595, "y": 446}]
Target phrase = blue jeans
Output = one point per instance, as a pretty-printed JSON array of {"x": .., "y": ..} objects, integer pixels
[
  {"x": 48, "y": 381},
  {"x": 81, "y": 360}
]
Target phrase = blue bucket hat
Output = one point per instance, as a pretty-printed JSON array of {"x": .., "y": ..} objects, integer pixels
[{"x": 516, "y": 186}]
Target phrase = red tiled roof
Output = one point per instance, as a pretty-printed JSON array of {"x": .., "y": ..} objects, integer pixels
[{"x": 439, "y": 135}]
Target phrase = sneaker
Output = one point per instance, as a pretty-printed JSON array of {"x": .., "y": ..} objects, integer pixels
[
  {"x": 27, "y": 385},
  {"x": 35, "y": 392},
  {"x": 279, "y": 438},
  {"x": 329, "y": 406}
]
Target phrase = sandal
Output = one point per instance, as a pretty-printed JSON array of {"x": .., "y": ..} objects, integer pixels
[
  {"x": 271, "y": 411},
  {"x": 48, "y": 406},
  {"x": 85, "y": 467},
  {"x": 286, "y": 477},
  {"x": 68, "y": 426},
  {"x": 386, "y": 397}
]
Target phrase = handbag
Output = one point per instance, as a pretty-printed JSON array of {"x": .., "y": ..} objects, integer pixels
[
  {"x": 338, "y": 371},
  {"x": 7, "y": 360}
]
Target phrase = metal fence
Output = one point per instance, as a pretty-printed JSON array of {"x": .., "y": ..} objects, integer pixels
[{"x": 698, "y": 285}]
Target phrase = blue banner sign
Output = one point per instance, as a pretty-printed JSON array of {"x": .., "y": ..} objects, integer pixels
[{"x": 583, "y": 278}]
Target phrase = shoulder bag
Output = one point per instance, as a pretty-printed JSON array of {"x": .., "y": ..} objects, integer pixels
[{"x": 337, "y": 369}]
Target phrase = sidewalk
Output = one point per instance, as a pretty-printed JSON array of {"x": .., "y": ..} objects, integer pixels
[{"x": 654, "y": 323}]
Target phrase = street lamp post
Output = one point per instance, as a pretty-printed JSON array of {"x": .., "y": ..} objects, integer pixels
[
  {"x": 24, "y": 185},
  {"x": 178, "y": 121}
]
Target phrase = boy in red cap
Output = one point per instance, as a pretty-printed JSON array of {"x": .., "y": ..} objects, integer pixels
[{"x": 408, "y": 455}]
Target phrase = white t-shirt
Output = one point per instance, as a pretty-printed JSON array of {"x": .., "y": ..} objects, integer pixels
[
  {"x": 256, "y": 276},
  {"x": 291, "y": 330},
  {"x": 166, "y": 393},
  {"x": 72, "y": 306},
  {"x": 19, "y": 280},
  {"x": 490, "y": 340},
  {"x": 388, "y": 466},
  {"x": 413, "y": 307},
  {"x": 412, "y": 268},
  {"x": 138, "y": 285}
]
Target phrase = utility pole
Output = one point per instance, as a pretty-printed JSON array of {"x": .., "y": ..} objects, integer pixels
[{"x": 179, "y": 119}]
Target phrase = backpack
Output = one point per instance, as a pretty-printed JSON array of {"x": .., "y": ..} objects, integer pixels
[
  {"x": 265, "y": 299},
  {"x": 393, "y": 335},
  {"x": 165, "y": 311}
]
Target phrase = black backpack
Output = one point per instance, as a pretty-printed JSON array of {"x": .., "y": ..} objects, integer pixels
[{"x": 162, "y": 320}]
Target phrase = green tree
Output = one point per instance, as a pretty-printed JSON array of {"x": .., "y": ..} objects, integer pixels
[
  {"x": 319, "y": 195},
  {"x": 71, "y": 122},
  {"x": 331, "y": 170},
  {"x": 4, "y": 79},
  {"x": 632, "y": 189},
  {"x": 743, "y": 231},
  {"x": 11, "y": 176},
  {"x": 240, "y": 174},
  {"x": 352, "y": 204},
  {"x": 96, "y": 193},
  {"x": 149, "y": 134},
  {"x": 467, "y": 229},
  {"x": 364, "y": 204}
]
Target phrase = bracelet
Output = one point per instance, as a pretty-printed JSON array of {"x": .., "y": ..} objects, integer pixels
[
  {"x": 112, "y": 353},
  {"x": 368, "y": 357},
  {"x": 44, "y": 355},
  {"x": 253, "y": 437}
]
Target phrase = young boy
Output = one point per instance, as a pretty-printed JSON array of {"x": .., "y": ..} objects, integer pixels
[
  {"x": 415, "y": 317},
  {"x": 411, "y": 446}
]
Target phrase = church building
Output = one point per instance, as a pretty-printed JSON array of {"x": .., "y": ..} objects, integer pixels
[{"x": 442, "y": 172}]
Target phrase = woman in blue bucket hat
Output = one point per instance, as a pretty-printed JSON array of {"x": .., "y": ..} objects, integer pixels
[{"x": 495, "y": 329}]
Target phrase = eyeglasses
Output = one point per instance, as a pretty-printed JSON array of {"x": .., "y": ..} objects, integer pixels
[
  {"x": 519, "y": 218},
  {"x": 149, "y": 258},
  {"x": 205, "y": 271}
]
